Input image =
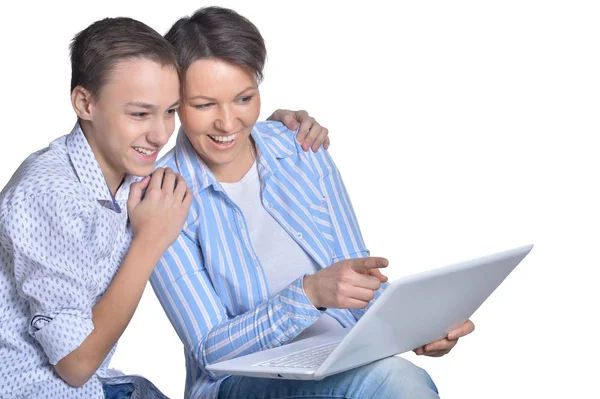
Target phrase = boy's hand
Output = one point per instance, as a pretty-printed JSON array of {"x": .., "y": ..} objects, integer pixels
[
  {"x": 160, "y": 215},
  {"x": 311, "y": 134}
]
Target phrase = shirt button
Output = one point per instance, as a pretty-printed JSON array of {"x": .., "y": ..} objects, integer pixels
[{"x": 299, "y": 235}]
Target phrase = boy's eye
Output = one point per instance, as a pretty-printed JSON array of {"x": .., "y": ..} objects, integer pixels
[
  {"x": 139, "y": 114},
  {"x": 171, "y": 111}
]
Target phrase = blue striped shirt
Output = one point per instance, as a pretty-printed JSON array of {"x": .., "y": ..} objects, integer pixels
[{"x": 210, "y": 281}]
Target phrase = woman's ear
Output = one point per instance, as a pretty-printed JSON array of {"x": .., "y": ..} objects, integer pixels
[{"x": 81, "y": 100}]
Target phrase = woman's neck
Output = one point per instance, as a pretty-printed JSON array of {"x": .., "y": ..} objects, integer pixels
[{"x": 235, "y": 170}]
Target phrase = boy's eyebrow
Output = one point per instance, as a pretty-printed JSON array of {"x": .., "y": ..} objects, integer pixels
[
  {"x": 142, "y": 105},
  {"x": 150, "y": 106}
]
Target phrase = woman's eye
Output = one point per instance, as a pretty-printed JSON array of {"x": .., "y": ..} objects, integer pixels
[
  {"x": 203, "y": 106},
  {"x": 245, "y": 99}
]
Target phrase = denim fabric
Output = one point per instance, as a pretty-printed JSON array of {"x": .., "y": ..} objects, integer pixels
[
  {"x": 393, "y": 377},
  {"x": 119, "y": 391}
]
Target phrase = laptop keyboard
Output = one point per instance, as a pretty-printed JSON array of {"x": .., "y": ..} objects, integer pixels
[{"x": 307, "y": 358}]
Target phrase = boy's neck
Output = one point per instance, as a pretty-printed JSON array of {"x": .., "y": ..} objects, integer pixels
[{"x": 113, "y": 178}]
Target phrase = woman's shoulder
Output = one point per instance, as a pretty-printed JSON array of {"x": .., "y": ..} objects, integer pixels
[
  {"x": 280, "y": 139},
  {"x": 282, "y": 143}
]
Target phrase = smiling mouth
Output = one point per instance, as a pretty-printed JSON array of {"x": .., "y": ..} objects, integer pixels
[
  {"x": 145, "y": 151},
  {"x": 223, "y": 140}
]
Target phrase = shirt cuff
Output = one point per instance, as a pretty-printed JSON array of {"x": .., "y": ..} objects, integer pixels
[
  {"x": 297, "y": 305},
  {"x": 62, "y": 335}
]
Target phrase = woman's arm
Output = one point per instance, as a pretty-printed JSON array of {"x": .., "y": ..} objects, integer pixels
[{"x": 193, "y": 305}]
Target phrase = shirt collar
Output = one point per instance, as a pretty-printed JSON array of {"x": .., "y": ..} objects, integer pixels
[
  {"x": 195, "y": 171},
  {"x": 89, "y": 173}
]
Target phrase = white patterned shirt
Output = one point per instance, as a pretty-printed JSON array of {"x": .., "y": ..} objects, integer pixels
[{"x": 63, "y": 237}]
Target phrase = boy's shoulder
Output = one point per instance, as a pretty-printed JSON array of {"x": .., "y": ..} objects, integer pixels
[{"x": 45, "y": 173}]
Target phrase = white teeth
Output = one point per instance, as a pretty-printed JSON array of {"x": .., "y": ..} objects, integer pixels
[
  {"x": 144, "y": 151},
  {"x": 224, "y": 139}
]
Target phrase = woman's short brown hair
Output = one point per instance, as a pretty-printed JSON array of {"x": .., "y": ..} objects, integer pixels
[{"x": 221, "y": 33}]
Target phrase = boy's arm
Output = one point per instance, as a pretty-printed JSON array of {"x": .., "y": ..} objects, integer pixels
[
  {"x": 156, "y": 221},
  {"x": 49, "y": 239},
  {"x": 111, "y": 315}
]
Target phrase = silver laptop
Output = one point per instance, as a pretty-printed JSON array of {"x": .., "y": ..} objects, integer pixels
[{"x": 413, "y": 311}]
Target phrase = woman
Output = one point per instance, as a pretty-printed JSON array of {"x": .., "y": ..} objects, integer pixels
[{"x": 271, "y": 250}]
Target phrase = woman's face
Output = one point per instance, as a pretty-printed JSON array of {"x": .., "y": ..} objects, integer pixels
[{"x": 221, "y": 105}]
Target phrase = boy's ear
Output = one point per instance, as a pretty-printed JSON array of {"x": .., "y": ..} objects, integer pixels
[{"x": 81, "y": 99}]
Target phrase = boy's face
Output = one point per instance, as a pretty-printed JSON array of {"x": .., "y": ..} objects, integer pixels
[{"x": 132, "y": 117}]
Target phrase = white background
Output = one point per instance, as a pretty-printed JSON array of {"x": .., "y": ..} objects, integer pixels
[{"x": 460, "y": 128}]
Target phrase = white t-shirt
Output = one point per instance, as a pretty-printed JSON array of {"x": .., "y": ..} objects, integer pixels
[{"x": 282, "y": 259}]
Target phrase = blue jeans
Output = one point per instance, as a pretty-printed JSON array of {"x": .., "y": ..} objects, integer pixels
[
  {"x": 393, "y": 377},
  {"x": 118, "y": 391}
]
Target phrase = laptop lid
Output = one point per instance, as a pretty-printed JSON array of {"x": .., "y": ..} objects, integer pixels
[{"x": 421, "y": 308}]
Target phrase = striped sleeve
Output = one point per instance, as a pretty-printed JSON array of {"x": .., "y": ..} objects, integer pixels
[{"x": 184, "y": 288}]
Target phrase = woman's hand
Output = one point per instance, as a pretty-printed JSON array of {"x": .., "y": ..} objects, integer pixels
[{"x": 443, "y": 346}]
